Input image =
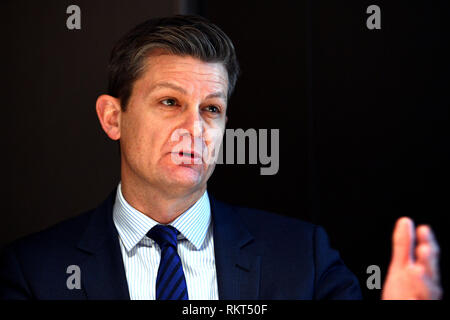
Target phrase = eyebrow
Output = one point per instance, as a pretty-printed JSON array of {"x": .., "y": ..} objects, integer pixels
[{"x": 175, "y": 87}]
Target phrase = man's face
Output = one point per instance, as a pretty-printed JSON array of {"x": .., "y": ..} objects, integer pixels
[{"x": 174, "y": 123}]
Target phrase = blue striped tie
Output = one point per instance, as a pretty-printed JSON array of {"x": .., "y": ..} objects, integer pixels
[{"x": 170, "y": 282}]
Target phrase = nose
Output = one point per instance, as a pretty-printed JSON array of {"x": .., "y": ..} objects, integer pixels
[{"x": 193, "y": 123}]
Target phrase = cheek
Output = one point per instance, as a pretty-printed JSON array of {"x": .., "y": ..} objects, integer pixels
[
  {"x": 142, "y": 139},
  {"x": 151, "y": 141}
]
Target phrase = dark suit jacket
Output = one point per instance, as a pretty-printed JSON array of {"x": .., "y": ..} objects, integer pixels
[{"x": 259, "y": 255}]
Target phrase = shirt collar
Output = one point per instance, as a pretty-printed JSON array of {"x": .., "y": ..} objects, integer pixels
[{"x": 133, "y": 225}]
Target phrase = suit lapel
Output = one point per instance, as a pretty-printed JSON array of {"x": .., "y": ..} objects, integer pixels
[
  {"x": 102, "y": 272},
  {"x": 238, "y": 262}
]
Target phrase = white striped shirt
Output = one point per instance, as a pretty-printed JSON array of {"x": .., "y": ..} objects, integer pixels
[{"x": 141, "y": 255}]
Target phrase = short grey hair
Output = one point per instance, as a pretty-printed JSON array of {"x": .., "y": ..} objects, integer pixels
[{"x": 184, "y": 35}]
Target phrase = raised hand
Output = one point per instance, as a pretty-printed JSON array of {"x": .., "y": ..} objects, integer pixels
[{"x": 413, "y": 273}]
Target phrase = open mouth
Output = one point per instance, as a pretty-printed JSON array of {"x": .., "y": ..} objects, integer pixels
[{"x": 188, "y": 155}]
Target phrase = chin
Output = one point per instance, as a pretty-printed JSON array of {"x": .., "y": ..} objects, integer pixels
[{"x": 184, "y": 177}]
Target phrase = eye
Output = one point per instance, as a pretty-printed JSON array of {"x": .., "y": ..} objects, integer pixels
[
  {"x": 169, "y": 102},
  {"x": 213, "y": 109}
]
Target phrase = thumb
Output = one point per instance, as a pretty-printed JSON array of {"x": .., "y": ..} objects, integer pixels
[{"x": 403, "y": 242}]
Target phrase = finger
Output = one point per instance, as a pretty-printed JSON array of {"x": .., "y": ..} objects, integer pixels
[
  {"x": 427, "y": 252},
  {"x": 422, "y": 286},
  {"x": 426, "y": 235},
  {"x": 425, "y": 258},
  {"x": 403, "y": 242}
]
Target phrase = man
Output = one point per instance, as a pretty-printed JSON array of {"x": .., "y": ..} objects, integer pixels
[{"x": 160, "y": 235}]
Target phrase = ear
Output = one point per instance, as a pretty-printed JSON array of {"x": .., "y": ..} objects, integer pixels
[{"x": 109, "y": 112}]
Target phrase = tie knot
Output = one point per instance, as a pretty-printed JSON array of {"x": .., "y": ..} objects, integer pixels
[{"x": 164, "y": 235}]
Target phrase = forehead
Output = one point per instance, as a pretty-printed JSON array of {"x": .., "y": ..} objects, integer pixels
[{"x": 186, "y": 71}]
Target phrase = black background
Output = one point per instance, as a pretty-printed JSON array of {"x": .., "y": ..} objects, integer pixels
[{"x": 362, "y": 114}]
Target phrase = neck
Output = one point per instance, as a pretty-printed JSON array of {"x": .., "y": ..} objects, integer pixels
[{"x": 157, "y": 204}]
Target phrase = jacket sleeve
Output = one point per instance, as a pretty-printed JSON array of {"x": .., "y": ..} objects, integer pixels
[
  {"x": 333, "y": 280},
  {"x": 13, "y": 285}
]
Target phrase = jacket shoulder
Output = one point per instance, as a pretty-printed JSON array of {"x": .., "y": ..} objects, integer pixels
[
  {"x": 63, "y": 234},
  {"x": 262, "y": 223}
]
